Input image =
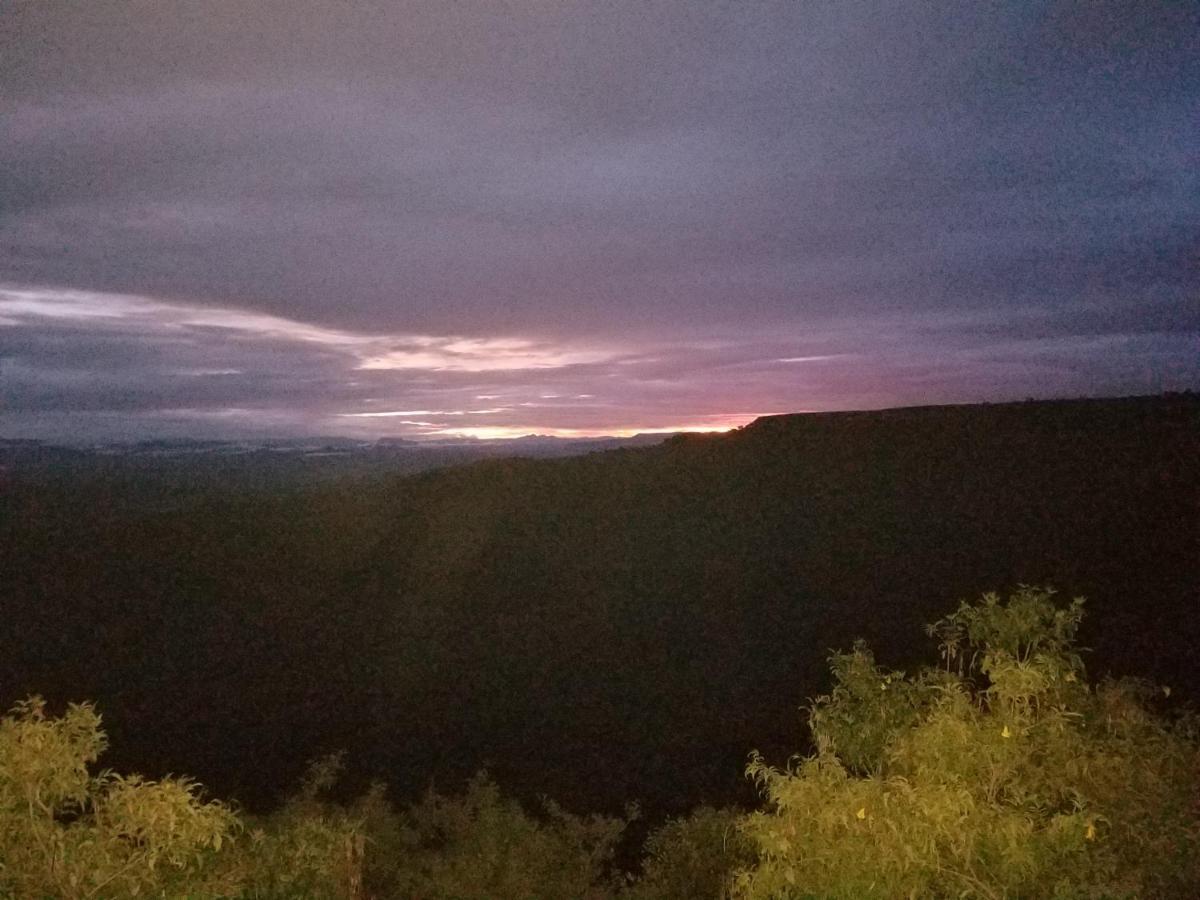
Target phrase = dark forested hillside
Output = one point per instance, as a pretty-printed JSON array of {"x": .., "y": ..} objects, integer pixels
[{"x": 625, "y": 625}]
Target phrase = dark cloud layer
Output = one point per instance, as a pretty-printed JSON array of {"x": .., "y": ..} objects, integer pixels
[{"x": 603, "y": 216}]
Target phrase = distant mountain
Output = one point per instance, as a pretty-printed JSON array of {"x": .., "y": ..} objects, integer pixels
[
  {"x": 275, "y": 462},
  {"x": 533, "y": 444}
]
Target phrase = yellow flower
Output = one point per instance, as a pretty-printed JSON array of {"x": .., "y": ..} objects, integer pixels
[
  {"x": 1070, "y": 676},
  {"x": 1005, "y": 733},
  {"x": 1090, "y": 834},
  {"x": 862, "y": 812}
]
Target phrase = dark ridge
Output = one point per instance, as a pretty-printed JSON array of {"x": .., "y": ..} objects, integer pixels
[{"x": 622, "y": 625}]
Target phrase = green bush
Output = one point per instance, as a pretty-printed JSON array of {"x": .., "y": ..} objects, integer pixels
[
  {"x": 693, "y": 857},
  {"x": 481, "y": 846},
  {"x": 308, "y": 848},
  {"x": 66, "y": 833},
  {"x": 1002, "y": 773}
]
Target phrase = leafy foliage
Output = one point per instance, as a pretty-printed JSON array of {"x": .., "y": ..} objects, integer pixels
[
  {"x": 66, "y": 833},
  {"x": 1028, "y": 783},
  {"x": 481, "y": 846},
  {"x": 693, "y": 857},
  {"x": 309, "y": 848},
  {"x": 867, "y": 709}
]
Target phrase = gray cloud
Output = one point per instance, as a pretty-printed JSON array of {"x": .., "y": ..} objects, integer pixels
[
  {"x": 76, "y": 363},
  {"x": 641, "y": 193}
]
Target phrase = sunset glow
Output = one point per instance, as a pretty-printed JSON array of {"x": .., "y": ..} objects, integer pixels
[{"x": 508, "y": 432}]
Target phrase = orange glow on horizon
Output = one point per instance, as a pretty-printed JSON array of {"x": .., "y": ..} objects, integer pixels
[{"x": 716, "y": 424}]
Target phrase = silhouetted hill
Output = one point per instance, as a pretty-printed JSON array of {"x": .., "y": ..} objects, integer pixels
[
  {"x": 626, "y": 624},
  {"x": 150, "y": 474}
]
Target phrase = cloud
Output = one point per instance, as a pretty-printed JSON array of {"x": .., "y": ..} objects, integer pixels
[
  {"x": 665, "y": 206},
  {"x": 78, "y": 363},
  {"x": 148, "y": 317}
]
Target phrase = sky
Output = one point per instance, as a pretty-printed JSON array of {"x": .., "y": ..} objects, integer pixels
[{"x": 490, "y": 219}]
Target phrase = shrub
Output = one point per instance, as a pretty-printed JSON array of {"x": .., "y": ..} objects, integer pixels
[
  {"x": 481, "y": 845},
  {"x": 694, "y": 857},
  {"x": 309, "y": 848},
  {"x": 1002, "y": 773},
  {"x": 67, "y": 833}
]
